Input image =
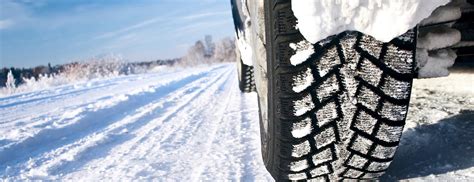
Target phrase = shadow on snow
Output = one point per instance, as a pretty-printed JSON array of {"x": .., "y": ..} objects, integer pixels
[{"x": 435, "y": 149}]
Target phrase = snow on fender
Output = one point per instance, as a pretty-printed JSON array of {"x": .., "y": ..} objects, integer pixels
[{"x": 382, "y": 19}]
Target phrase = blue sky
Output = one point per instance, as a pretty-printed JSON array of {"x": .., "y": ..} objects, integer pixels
[{"x": 35, "y": 32}]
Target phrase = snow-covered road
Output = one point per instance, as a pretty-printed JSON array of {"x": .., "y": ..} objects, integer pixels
[
  {"x": 190, "y": 125},
  {"x": 183, "y": 125}
]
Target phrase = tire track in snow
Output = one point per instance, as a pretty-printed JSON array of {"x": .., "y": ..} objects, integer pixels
[
  {"x": 253, "y": 168},
  {"x": 234, "y": 151},
  {"x": 174, "y": 111},
  {"x": 209, "y": 151}
]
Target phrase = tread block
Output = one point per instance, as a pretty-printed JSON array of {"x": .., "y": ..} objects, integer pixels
[
  {"x": 378, "y": 166},
  {"x": 327, "y": 114},
  {"x": 393, "y": 112},
  {"x": 323, "y": 156},
  {"x": 399, "y": 60},
  {"x": 396, "y": 89},
  {"x": 368, "y": 98},
  {"x": 365, "y": 122},
  {"x": 319, "y": 171},
  {"x": 299, "y": 165},
  {"x": 247, "y": 81},
  {"x": 303, "y": 105},
  {"x": 389, "y": 133},
  {"x": 370, "y": 72},
  {"x": 328, "y": 62},
  {"x": 352, "y": 173},
  {"x": 384, "y": 152},
  {"x": 327, "y": 89},
  {"x": 301, "y": 149},
  {"x": 371, "y": 46},
  {"x": 325, "y": 137},
  {"x": 297, "y": 176},
  {"x": 302, "y": 128},
  {"x": 302, "y": 80},
  {"x": 361, "y": 144},
  {"x": 357, "y": 161}
]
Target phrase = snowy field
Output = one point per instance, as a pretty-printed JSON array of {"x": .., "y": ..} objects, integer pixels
[{"x": 194, "y": 124}]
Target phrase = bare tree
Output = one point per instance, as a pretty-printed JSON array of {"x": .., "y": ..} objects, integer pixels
[
  {"x": 11, "y": 85},
  {"x": 225, "y": 50},
  {"x": 209, "y": 52},
  {"x": 210, "y": 46}
]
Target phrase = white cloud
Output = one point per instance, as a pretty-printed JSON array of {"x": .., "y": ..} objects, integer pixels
[
  {"x": 198, "y": 26},
  {"x": 156, "y": 20},
  {"x": 129, "y": 28},
  {"x": 5, "y": 24},
  {"x": 12, "y": 14},
  {"x": 202, "y": 15}
]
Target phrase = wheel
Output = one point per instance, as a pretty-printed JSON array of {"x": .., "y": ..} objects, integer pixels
[
  {"x": 246, "y": 79},
  {"x": 339, "y": 113}
]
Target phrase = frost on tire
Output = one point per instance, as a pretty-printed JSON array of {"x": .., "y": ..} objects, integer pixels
[{"x": 339, "y": 113}]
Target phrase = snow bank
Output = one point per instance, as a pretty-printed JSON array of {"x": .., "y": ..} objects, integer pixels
[{"x": 382, "y": 19}]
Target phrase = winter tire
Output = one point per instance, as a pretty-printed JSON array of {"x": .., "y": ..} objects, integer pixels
[
  {"x": 340, "y": 113},
  {"x": 246, "y": 79}
]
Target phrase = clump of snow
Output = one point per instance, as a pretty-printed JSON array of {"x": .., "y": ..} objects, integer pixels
[
  {"x": 438, "y": 63},
  {"x": 301, "y": 129},
  {"x": 304, "y": 51},
  {"x": 299, "y": 165},
  {"x": 438, "y": 37},
  {"x": 434, "y": 55},
  {"x": 443, "y": 14},
  {"x": 302, "y": 81},
  {"x": 304, "y": 105},
  {"x": 421, "y": 57},
  {"x": 384, "y": 20}
]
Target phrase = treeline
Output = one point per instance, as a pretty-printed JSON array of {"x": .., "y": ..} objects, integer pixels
[
  {"x": 207, "y": 52},
  {"x": 92, "y": 68},
  {"x": 202, "y": 52}
]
